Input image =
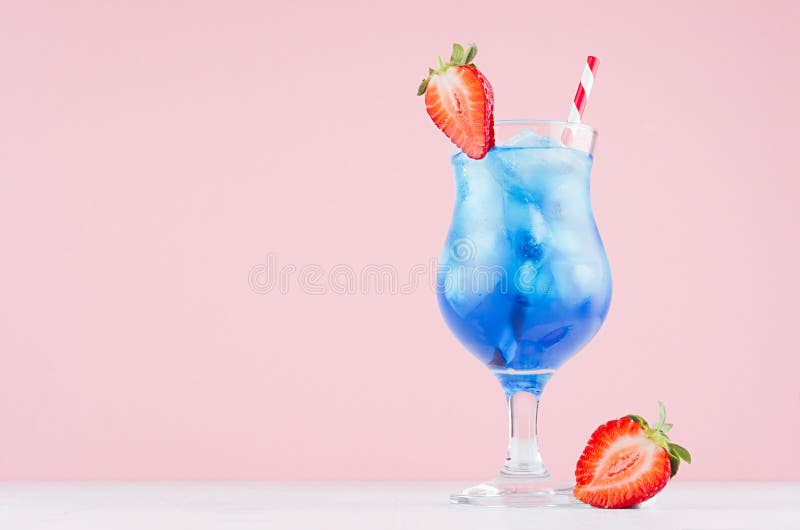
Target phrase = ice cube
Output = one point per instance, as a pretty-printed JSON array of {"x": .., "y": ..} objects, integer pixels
[
  {"x": 533, "y": 173},
  {"x": 481, "y": 203},
  {"x": 527, "y": 227},
  {"x": 568, "y": 198},
  {"x": 577, "y": 281},
  {"x": 478, "y": 249},
  {"x": 586, "y": 276},
  {"x": 538, "y": 224},
  {"x": 569, "y": 240},
  {"x": 476, "y": 266}
]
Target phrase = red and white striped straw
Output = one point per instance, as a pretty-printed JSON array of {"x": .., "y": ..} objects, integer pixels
[{"x": 584, "y": 88}]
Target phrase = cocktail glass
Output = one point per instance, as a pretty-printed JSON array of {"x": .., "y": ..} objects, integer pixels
[{"x": 524, "y": 282}]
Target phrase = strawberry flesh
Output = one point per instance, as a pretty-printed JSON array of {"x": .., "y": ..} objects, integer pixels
[
  {"x": 460, "y": 102},
  {"x": 626, "y": 461},
  {"x": 620, "y": 466}
]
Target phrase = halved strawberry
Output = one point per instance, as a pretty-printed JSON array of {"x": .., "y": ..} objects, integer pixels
[
  {"x": 626, "y": 462},
  {"x": 460, "y": 101}
]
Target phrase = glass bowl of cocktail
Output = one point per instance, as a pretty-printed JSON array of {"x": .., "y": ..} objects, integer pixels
[{"x": 523, "y": 279}]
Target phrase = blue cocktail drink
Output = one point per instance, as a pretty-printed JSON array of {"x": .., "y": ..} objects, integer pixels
[{"x": 524, "y": 281}]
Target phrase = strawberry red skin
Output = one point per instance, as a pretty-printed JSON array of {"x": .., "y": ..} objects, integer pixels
[
  {"x": 460, "y": 101},
  {"x": 620, "y": 467}
]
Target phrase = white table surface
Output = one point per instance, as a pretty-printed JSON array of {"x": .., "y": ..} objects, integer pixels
[{"x": 373, "y": 506}]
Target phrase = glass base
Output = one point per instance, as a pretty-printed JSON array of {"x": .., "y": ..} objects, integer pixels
[{"x": 521, "y": 491}]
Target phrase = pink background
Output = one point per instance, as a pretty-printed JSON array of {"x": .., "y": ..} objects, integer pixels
[{"x": 153, "y": 154}]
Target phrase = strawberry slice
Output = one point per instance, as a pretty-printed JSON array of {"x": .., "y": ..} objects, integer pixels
[
  {"x": 626, "y": 462},
  {"x": 460, "y": 101}
]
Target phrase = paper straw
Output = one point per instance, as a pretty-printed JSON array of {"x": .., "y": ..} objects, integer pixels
[{"x": 584, "y": 88}]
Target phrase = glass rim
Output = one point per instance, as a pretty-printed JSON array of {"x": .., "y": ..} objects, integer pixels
[{"x": 582, "y": 126}]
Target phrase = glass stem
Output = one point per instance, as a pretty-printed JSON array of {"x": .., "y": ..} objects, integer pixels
[{"x": 524, "y": 458}]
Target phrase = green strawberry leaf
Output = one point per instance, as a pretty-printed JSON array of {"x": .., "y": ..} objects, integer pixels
[
  {"x": 662, "y": 415},
  {"x": 458, "y": 55},
  {"x": 423, "y": 86},
  {"x": 681, "y": 452},
  {"x": 471, "y": 53}
]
